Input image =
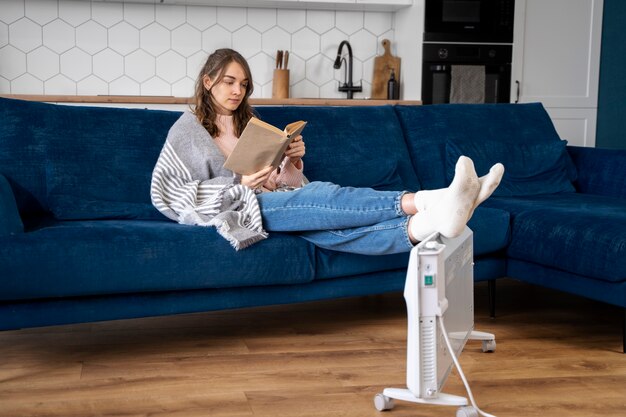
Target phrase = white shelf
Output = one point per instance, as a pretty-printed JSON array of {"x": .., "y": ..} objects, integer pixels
[{"x": 362, "y": 5}]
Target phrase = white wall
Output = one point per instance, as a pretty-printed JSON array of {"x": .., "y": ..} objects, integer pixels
[
  {"x": 409, "y": 34},
  {"x": 102, "y": 48}
]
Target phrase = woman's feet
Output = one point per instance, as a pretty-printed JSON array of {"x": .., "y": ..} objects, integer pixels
[
  {"x": 488, "y": 184},
  {"x": 447, "y": 210},
  {"x": 453, "y": 208}
]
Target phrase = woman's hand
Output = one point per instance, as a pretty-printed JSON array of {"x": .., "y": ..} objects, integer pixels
[
  {"x": 296, "y": 151},
  {"x": 256, "y": 180}
]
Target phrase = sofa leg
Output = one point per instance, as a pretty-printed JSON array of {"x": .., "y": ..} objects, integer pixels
[{"x": 491, "y": 293}]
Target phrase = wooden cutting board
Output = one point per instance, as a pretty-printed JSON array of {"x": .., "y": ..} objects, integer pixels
[{"x": 382, "y": 70}]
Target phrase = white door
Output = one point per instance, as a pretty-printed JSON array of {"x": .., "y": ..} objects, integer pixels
[
  {"x": 556, "y": 61},
  {"x": 576, "y": 125},
  {"x": 556, "y": 52}
]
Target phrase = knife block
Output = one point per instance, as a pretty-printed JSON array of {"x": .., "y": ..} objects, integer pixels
[{"x": 280, "y": 83}]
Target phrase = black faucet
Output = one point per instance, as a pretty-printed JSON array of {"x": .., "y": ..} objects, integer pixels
[{"x": 347, "y": 86}]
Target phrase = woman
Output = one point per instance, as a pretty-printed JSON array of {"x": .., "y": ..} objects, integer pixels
[{"x": 191, "y": 186}]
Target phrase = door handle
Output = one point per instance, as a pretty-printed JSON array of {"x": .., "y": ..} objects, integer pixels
[{"x": 517, "y": 83}]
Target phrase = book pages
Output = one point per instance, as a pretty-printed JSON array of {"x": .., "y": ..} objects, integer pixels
[{"x": 260, "y": 145}]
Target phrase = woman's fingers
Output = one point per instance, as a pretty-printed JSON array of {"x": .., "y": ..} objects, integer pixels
[
  {"x": 295, "y": 150},
  {"x": 257, "y": 179}
]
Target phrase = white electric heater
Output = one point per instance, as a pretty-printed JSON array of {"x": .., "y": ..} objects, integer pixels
[{"x": 439, "y": 288}]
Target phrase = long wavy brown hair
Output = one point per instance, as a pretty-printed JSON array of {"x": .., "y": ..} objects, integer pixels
[{"x": 215, "y": 68}]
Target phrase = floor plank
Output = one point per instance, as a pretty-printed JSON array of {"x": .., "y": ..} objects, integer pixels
[{"x": 556, "y": 355}]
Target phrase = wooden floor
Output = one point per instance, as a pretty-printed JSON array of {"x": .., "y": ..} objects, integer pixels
[{"x": 557, "y": 355}]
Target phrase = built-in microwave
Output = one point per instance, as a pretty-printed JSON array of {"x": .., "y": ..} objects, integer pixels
[{"x": 469, "y": 21}]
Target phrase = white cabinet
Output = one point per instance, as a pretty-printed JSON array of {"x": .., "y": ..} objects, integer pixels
[
  {"x": 368, "y": 5},
  {"x": 556, "y": 61}
]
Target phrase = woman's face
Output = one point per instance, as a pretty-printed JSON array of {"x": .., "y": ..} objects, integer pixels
[{"x": 228, "y": 93}]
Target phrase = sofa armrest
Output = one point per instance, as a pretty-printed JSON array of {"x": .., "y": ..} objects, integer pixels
[
  {"x": 10, "y": 221},
  {"x": 600, "y": 171}
]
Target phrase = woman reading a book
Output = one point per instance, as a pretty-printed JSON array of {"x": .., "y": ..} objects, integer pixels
[{"x": 191, "y": 186}]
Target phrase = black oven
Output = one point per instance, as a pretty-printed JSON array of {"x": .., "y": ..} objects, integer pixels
[
  {"x": 469, "y": 21},
  {"x": 466, "y": 73}
]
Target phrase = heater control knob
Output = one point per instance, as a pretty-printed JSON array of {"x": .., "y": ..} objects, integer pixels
[
  {"x": 492, "y": 53},
  {"x": 443, "y": 53}
]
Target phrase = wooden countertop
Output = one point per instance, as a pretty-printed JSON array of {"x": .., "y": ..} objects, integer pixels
[{"x": 188, "y": 100}]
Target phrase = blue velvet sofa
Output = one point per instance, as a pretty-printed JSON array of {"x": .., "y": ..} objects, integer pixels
[{"x": 80, "y": 241}]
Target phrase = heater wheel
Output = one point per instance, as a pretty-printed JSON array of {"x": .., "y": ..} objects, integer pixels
[
  {"x": 468, "y": 411},
  {"x": 489, "y": 345},
  {"x": 382, "y": 402}
]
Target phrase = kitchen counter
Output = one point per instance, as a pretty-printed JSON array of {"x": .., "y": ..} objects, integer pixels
[
  {"x": 329, "y": 102},
  {"x": 170, "y": 100}
]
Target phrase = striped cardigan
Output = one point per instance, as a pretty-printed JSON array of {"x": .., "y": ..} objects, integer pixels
[{"x": 190, "y": 186}]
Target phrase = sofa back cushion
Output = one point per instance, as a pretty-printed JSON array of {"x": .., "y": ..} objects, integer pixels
[
  {"x": 23, "y": 132},
  {"x": 82, "y": 162},
  {"x": 428, "y": 129},
  {"x": 351, "y": 146},
  {"x": 530, "y": 168},
  {"x": 10, "y": 221},
  {"x": 101, "y": 161},
  {"x": 600, "y": 171}
]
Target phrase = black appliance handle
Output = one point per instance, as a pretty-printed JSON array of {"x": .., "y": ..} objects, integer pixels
[{"x": 517, "y": 98}]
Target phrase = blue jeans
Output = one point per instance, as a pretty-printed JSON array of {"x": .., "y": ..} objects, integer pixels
[{"x": 345, "y": 219}]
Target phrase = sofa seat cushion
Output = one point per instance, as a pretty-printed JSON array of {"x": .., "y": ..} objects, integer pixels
[
  {"x": 576, "y": 233},
  {"x": 360, "y": 146},
  {"x": 586, "y": 203},
  {"x": 332, "y": 264},
  {"x": 492, "y": 230},
  {"x": 126, "y": 256}
]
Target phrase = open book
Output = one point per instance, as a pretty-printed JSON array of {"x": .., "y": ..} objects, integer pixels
[{"x": 260, "y": 145}]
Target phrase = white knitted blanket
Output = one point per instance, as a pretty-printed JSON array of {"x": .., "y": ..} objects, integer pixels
[{"x": 190, "y": 186}]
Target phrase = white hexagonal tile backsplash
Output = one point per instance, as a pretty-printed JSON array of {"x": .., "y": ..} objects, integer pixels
[
  {"x": 74, "y": 12},
  {"x": 155, "y": 39},
  {"x": 201, "y": 17},
  {"x": 91, "y": 37},
  {"x": 140, "y": 66},
  {"x": 108, "y": 65},
  {"x": 42, "y": 63},
  {"x": 89, "y": 48},
  {"x": 107, "y": 14},
  {"x": 138, "y": 15},
  {"x": 76, "y": 64},
  {"x": 186, "y": 40},
  {"x": 41, "y": 11},
  {"x": 123, "y": 38},
  {"x": 171, "y": 66},
  {"x": 4, "y": 34},
  {"x": 12, "y": 62},
  {"x": 59, "y": 36},
  {"x": 25, "y": 34}
]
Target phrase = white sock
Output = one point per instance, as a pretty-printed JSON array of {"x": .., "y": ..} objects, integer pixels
[
  {"x": 450, "y": 213},
  {"x": 488, "y": 183},
  {"x": 427, "y": 198}
]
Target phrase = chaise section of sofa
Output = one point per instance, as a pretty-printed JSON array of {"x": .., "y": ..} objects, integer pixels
[
  {"x": 567, "y": 205},
  {"x": 579, "y": 237}
]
